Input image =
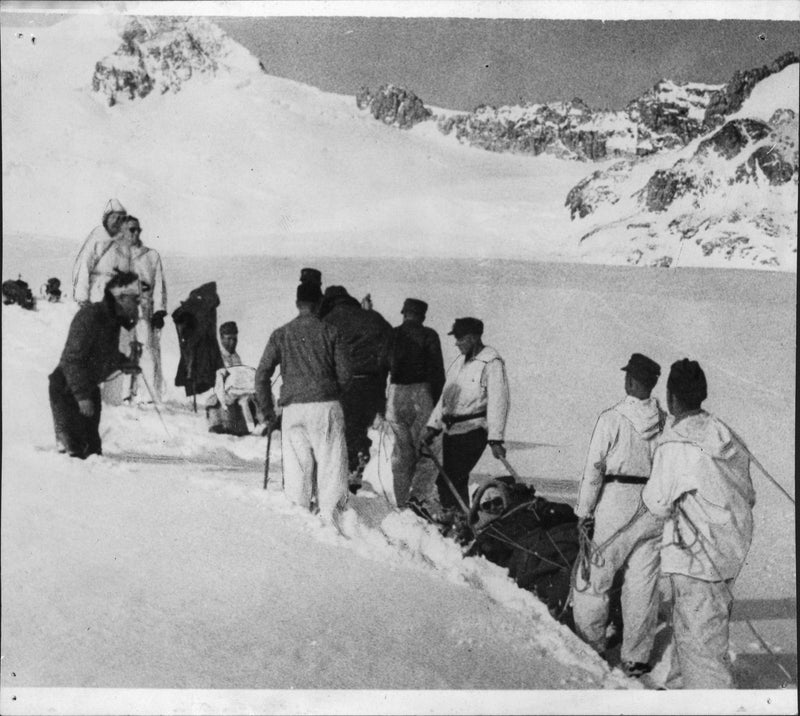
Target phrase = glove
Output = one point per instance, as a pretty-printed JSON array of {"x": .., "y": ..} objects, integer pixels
[
  {"x": 266, "y": 417},
  {"x": 498, "y": 449},
  {"x": 157, "y": 321},
  {"x": 86, "y": 407},
  {"x": 429, "y": 435}
]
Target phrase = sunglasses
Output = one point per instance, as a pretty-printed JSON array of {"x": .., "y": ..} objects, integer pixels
[
  {"x": 134, "y": 231},
  {"x": 493, "y": 505}
]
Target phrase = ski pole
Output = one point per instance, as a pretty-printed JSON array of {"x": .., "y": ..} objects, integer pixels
[
  {"x": 266, "y": 461},
  {"x": 155, "y": 404},
  {"x": 448, "y": 482},
  {"x": 510, "y": 469}
]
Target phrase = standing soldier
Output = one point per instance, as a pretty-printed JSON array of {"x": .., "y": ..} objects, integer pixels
[
  {"x": 91, "y": 354},
  {"x": 416, "y": 368},
  {"x": 83, "y": 271},
  {"x": 365, "y": 334},
  {"x": 701, "y": 484},
  {"x": 316, "y": 370},
  {"x": 625, "y": 535},
  {"x": 472, "y": 409}
]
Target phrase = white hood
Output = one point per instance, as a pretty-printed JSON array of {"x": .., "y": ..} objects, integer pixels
[{"x": 645, "y": 415}]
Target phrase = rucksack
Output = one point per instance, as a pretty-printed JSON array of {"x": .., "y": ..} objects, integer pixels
[{"x": 17, "y": 291}]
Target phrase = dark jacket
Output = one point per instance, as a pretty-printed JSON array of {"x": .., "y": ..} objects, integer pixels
[
  {"x": 315, "y": 365},
  {"x": 196, "y": 323},
  {"x": 365, "y": 334},
  {"x": 415, "y": 356},
  {"x": 91, "y": 352}
]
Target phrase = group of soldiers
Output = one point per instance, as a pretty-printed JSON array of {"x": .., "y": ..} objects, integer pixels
[
  {"x": 342, "y": 365},
  {"x": 665, "y": 496},
  {"x": 660, "y": 495}
]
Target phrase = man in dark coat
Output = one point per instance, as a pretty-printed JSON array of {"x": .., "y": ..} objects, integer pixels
[
  {"x": 365, "y": 334},
  {"x": 91, "y": 354}
]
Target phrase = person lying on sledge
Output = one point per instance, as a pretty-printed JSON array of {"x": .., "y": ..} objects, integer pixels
[{"x": 535, "y": 539}]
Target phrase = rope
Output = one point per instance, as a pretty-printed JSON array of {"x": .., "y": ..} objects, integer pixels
[
  {"x": 755, "y": 461},
  {"x": 700, "y": 539}
]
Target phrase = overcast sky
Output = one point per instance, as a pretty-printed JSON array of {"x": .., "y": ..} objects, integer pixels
[{"x": 460, "y": 63}]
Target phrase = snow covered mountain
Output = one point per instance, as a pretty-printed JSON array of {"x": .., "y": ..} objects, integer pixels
[
  {"x": 730, "y": 194},
  {"x": 214, "y": 156}
]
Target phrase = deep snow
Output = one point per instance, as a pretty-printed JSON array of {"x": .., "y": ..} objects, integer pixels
[{"x": 164, "y": 564}]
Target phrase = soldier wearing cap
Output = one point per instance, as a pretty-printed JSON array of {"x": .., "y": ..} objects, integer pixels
[
  {"x": 700, "y": 484},
  {"x": 416, "y": 376},
  {"x": 625, "y": 536},
  {"x": 471, "y": 411},
  {"x": 315, "y": 367}
]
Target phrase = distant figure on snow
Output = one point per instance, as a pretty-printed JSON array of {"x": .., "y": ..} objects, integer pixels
[
  {"x": 91, "y": 354},
  {"x": 231, "y": 408},
  {"x": 87, "y": 285}
]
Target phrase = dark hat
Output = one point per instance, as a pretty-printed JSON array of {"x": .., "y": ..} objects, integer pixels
[
  {"x": 311, "y": 275},
  {"x": 687, "y": 382},
  {"x": 336, "y": 292},
  {"x": 229, "y": 328},
  {"x": 643, "y": 368},
  {"x": 414, "y": 305},
  {"x": 309, "y": 293},
  {"x": 466, "y": 326}
]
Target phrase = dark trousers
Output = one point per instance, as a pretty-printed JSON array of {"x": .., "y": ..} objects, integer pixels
[
  {"x": 77, "y": 433},
  {"x": 365, "y": 397},
  {"x": 460, "y": 453}
]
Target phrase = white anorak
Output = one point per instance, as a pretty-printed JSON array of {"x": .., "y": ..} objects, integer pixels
[
  {"x": 622, "y": 443},
  {"x": 475, "y": 386},
  {"x": 701, "y": 466},
  {"x": 109, "y": 255}
]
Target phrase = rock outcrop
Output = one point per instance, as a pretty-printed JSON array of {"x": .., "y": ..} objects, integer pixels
[
  {"x": 158, "y": 54},
  {"x": 393, "y": 105}
]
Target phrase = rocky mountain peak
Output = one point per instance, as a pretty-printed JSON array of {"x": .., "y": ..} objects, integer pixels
[{"x": 159, "y": 54}]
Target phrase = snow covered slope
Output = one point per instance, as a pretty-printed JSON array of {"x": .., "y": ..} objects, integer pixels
[
  {"x": 181, "y": 124},
  {"x": 240, "y": 161}
]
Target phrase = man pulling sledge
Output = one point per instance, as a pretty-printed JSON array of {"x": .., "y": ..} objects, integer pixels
[
  {"x": 471, "y": 411},
  {"x": 700, "y": 484},
  {"x": 625, "y": 535}
]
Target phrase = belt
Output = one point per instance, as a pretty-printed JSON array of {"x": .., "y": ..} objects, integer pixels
[
  {"x": 450, "y": 420},
  {"x": 626, "y": 479}
]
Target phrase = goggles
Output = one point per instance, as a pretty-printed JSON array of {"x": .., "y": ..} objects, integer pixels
[{"x": 494, "y": 505}]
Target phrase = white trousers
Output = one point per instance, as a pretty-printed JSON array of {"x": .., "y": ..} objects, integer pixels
[
  {"x": 314, "y": 449},
  {"x": 637, "y": 551},
  {"x": 701, "y": 617},
  {"x": 408, "y": 408}
]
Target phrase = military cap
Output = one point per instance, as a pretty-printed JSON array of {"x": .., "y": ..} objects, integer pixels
[
  {"x": 466, "y": 326},
  {"x": 643, "y": 368},
  {"x": 309, "y": 293},
  {"x": 687, "y": 382},
  {"x": 414, "y": 305},
  {"x": 311, "y": 275},
  {"x": 335, "y": 292},
  {"x": 229, "y": 328}
]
